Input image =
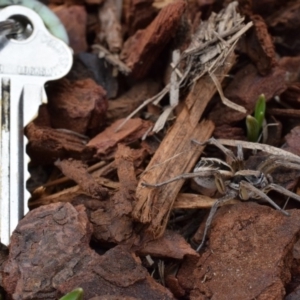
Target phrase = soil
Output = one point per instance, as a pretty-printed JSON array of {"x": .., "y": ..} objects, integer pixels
[{"x": 152, "y": 82}]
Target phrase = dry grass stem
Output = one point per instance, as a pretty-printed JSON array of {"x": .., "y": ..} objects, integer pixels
[{"x": 211, "y": 45}]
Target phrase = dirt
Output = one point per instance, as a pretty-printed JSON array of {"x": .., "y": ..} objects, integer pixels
[{"x": 125, "y": 119}]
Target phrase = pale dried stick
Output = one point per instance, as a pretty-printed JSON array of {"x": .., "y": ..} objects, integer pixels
[
  {"x": 66, "y": 179},
  {"x": 256, "y": 146}
]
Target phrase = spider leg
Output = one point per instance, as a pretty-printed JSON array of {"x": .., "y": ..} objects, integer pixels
[
  {"x": 212, "y": 212},
  {"x": 275, "y": 161},
  {"x": 212, "y": 141},
  {"x": 281, "y": 190},
  {"x": 282, "y": 163},
  {"x": 258, "y": 194},
  {"x": 182, "y": 176}
]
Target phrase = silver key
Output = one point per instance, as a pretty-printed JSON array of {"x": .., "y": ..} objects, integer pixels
[{"x": 26, "y": 63}]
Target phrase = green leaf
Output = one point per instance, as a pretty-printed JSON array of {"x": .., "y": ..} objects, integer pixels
[
  {"x": 260, "y": 110},
  {"x": 252, "y": 129},
  {"x": 76, "y": 294}
]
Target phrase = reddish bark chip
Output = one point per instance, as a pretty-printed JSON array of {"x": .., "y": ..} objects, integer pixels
[
  {"x": 47, "y": 144},
  {"x": 79, "y": 106},
  {"x": 76, "y": 170},
  {"x": 249, "y": 255},
  {"x": 106, "y": 141},
  {"x": 50, "y": 256},
  {"x": 171, "y": 245},
  {"x": 141, "y": 50},
  {"x": 174, "y": 286},
  {"x": 139, "y": 14},
  {"x": 112, "y": 222},
  {"x": 41, "y": 248},
  {"x": 259, "y": 46},
  {"x": 74, "y": 18}
]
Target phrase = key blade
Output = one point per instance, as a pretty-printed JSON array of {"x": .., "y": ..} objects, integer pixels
[
  {"x": 16, "y": 172},
  {"x": 5, "y": 161}
]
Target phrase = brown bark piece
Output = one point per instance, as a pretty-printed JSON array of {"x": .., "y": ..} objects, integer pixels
[
  {"x": 171, "y": 245},
  {"x": 285, "y": 112},
  {"x": 106, "y": 141},
  {"x": 292, "y": 95},
  {"x": 141, "y": 50},
  {"x": 50, "y": 256},
  {"x": 79, "y": 106},
  {"x": 229, "y": 132},
  {"x": 111, "y": 30},
  {"x": 117, "y": 274},
  {"x": 285, "y": 24},
  {"x": 172, "y": 283},
  {"x": 74, "y": 19},
  {"x": 47, "y": 144},
  {"x": 248, "y": 242},
  {"x": 154, "y": 205},
  {"x": 113, "y": 222},
  {"x": 139, "y": 14},
  {"x": 41, "y": 248},
  {"x": 248, "y": 79},
  {"x": 71, "y": 195},
  {"x": 259, "y": 46},
  {"x": 77, "y": 171},
  {"x": 129, "y": 101}
]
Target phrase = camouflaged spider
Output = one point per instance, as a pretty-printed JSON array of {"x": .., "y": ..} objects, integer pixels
[{"x": 231, "y": 180}]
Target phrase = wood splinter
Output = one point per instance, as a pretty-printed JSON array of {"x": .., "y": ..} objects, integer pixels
[{"x": 153, "y": 206}]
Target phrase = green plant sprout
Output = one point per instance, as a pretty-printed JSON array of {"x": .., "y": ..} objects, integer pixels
[
  {"x": 254, "y": 123},
  {"x": 76, "y": 294}
]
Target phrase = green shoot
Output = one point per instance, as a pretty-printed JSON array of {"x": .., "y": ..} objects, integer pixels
[
  {"x": 254, "y": 124},
  {"x": 76, "y": 294},
  {"x": 260, "y": 110},
  {"x": 252, "y": 129}
]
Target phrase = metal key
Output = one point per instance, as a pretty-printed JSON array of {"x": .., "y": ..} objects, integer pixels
[{"x": 26, "y": 63}]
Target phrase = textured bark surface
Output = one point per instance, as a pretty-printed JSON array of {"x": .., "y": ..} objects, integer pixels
[
  {"x": 244, "y": 258},
  {"x": 50, "y": 255}
]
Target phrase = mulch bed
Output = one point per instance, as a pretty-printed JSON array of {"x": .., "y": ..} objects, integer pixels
[{"x": 148, "y": 78}]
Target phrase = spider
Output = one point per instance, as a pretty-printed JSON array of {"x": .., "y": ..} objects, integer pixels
[{"x": 232, "y": 180}]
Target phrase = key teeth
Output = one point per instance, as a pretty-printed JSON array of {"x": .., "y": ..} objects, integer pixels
[{"x": 27, "y": 195}]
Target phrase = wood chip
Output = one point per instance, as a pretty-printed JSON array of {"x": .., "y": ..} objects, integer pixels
[
  {"x": 154, "y": 205},
  {"x": 78, "y": 171},
  {"x": 196, "y": 201},
  {"x": 106, "y": 141},
  {"x": 141, "y": 50}
]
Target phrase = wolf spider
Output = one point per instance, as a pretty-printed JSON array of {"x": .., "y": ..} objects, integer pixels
[{"x": 231, "y": 180}]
